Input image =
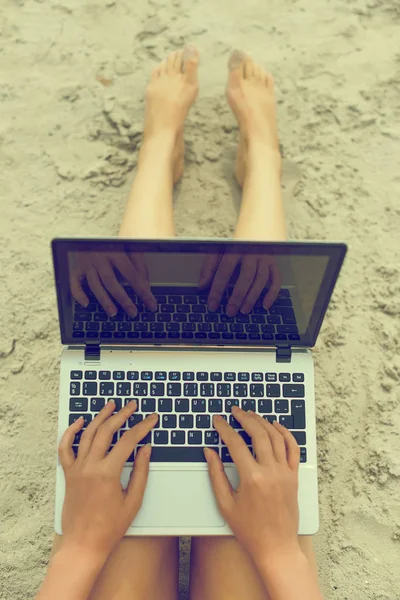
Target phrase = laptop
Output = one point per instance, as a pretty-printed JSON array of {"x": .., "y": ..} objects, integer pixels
[{"x": 137, "y": 322}]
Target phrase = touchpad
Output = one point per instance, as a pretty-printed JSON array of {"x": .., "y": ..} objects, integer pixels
[{"x": 177, "y": 498}]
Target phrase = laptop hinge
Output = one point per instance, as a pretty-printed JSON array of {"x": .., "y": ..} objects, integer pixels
[
  {"x": 283, "y": 354},
  {"x": 92, "y": 351}
]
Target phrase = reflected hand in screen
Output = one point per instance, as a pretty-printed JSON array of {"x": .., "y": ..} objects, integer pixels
[
  {"x": 98, "y": 269},
  {"x": 256, "y": 271}
]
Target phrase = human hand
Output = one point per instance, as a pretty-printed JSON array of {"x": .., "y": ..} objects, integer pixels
[
  {"x": 263, "y": 511},
  {"x": 255, "y": 272},
  {"x": 98, "y": 269},
  {"x": 97, "y": 510}
]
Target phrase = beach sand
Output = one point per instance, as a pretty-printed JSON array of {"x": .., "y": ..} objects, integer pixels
[{"x": 72, "y": 81}]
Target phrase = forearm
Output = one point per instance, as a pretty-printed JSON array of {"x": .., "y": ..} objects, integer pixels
[
  {"x": 70, "y": 575},
  {"x": 289, "y": 578}
]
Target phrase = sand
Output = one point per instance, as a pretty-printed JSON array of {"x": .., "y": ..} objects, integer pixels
[{"x": 72, "y": 82}]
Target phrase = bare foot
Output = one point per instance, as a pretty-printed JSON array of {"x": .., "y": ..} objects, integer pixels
[
  {"x": 250, "y": 94},
  {"x": 170, "y": 93}
]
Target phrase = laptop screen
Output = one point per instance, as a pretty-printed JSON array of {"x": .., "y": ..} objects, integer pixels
[{"x": 193, "y": 292}]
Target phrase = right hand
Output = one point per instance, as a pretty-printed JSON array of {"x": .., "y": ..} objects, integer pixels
[{"x": 263, "y": 512}]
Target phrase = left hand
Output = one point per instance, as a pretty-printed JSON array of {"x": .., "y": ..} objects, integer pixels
[
  {"x": 256, "y": 271},
  {"x": 97, "y": 510}
]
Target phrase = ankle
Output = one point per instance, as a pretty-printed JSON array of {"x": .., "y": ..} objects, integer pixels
[
  {"x": 259, "y": 151},
  {"x": 160, "y": 145}
]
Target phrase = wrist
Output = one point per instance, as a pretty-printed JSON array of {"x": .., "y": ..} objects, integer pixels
[
  {"x": 75, "y": 553},
  {"x": 279, "y": 561}
]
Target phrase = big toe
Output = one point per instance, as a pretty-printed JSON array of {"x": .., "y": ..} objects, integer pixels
[
  {"x": 236, "y": 64},
  {"x": 191, "y": 59}
]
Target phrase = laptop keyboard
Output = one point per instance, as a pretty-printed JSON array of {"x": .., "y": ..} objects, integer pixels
[
  {"x": 185, "y": 316},
  {"x": 186, "y": 402}
]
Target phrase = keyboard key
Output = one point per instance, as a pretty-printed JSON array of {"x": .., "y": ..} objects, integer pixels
[
  {"x": 230, "y": 403},
  {"x": 190, "y": 299},
  {"x": 118, "y": 375},
  {"x": 270, "y": 418},
  {"x": 225, "y": 455},
  {"x": 207, "y": 389},
  {"x": 200, "y": 309},
  {"x": 224, "y": 389},
  {"x": 178, "y": 437},
  {"x": 187, "y": 335},
  {"x": 148, "y": 405},
  {"x": 163, "y": 318},
  {"x": 249, "y": 405},
  {"x": 188, "y": 376},
  {"x": 286, "y": 421},
  {"x": 181, "y": 308},
  {"x": 77, "y": 438},
  {"x": 240, "y": 390},
  {"x": 273, "y": 320},
  {"x": 298, "y": 377},
  {"x": 157, "y": 389},
  {"x": 281, "y": 406},
  {"x": 146, "y": 439},
  {"x": 215, "y": 405},
  {"x": 300, "y": 437},
  {"x": 211, "y": 318},
  {"x": 298, "y": 410},
  {"x": 140, "y": 389},
  {"x": 174, "y": 389},
  {"x": 252, "y": 328},
  {"x": 227, "y": 336},
  {"x": 74, "y": 388},
  {"x": 202, "y": 376},
  {"x": 179, "y": 318},
  {"x": 124, "y": 388},
  {"x": 193, "y": 318},
  {"x": 190, "y": 389},
  {"x": 160, "y": 376},
  {"x": 87, "y": 418},
  {"x": 165, "y": 405},
  {"x": 233, "y": 423},
  {"x": 167, "y": 308},
  {"x": 284, "y": 376},
  {"x": 214, "y": 336},
  {"x": 293, "y": 390},
  {"x": 216, "y": 376},
  {"x": 169, "y": 421},
  {"x": 203, "y": 422},
  {"x": 230, "y": 376},
  {"x": 303, "y": 455},
  {"x": 246, "y": 437},
  {"x": 104, "y": 375},
  {"x": 90, "y": 375},
  {"x": 132, "y": 375},
  {"x": 89, "y": 388},
  {"x": 174, "y": 299},
  {"x": 76, "y": 374},
  {"x": 96, "y": 404},
  {"x": 186, "y": 421},
  {"x": 146, "y": 375},
  {"x": 78, "y": 404},
  {"x": 257, "y": 389},
  {"x": 204, "y": 327},
  {"x": 178, "y": 454},
  {"x": 211, "y": 438},
  {"x": 257, "y": 377},
  {"x": 265, "y": 406},
  {"x": 273, "y": 390},
  {"x": 198, "y": 405},
  {"x": 134, "y": 419},
  {"x": 243, "y": 376},
  {"x": 106, "y": 389},
  {"x": 174, "y": 375},
  {"x": 159, "y": 327},
  {"x": 220, "y": 327},
  {"x": 271, "y": 377},
  {"x": 188, "y": 327},
  {"x": 160, "y": 437},
  {"x": 259, "y": 319},
  {"x": 182, "y": 405},
  {"x": 118, "y": 403}
]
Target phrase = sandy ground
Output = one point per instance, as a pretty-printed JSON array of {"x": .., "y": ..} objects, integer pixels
[{"x": 72, "y": 78}]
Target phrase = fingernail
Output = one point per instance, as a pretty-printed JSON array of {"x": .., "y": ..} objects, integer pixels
[
  {"x": 153, "y": 305},
  {"x": 111, "y": 401},
  {"x": 132, "y": 403},
  {"x": 213, "y": 305},
  {"x": 218, "y": 417},
  {"x": 111, "y": 311},
  {"x": 246, "y": 308},
  {"x": 154, "y": 416},
  {"x": 132, "y": 312},
  {"x": 231, "y": 310}
]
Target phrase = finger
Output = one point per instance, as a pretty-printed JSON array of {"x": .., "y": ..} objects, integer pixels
[
  {"x": 260, "y": 440},
  {"x": 128, "y": 442},
  {"x": 111, "y": 283},
  {"x": 277, "y": 441},
  {"x": 90, "y": 431},
  {"x": 248, "y": 271},
  {"x": 208, "y": 269},
  {"x": 139, "y": 263},
  {"x": 138, "y": 480},
  {"x": 77, "y": 290},
  {"x": 292, "y": 447},
  {"x": 65, "y": 452},
  {"x": 239, "y": 452},
  {"x": 102, "y": 440},
  {"x": 258, "y": 285},
  {"x": 98, "y": 290},
  {"x": 223, "y": 491},
  {"x": 221, "y": 279},
  {"x": 136, "y": 280},
  {"x": 275, "y": 285}
]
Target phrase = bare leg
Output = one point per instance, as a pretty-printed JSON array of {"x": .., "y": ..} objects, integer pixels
[
  {"x": 170, "y": 94},
  {"x": 220, "y": 568},
  {"x": 144, "y": 568}
]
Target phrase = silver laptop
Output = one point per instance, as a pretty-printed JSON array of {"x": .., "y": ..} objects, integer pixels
[{"x": 178, "y": 354}]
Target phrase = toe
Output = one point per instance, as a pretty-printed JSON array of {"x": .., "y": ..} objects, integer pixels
[
  {"x": 236, "y": 62},
  {"x": 190, "y": 63},
  {"x": 269, "y": 81},
  {"x": 249, "y": 69},
  {"x": 178, "y": 64},
  {"x": 170, "y": 63},
  {"x": 155, "y": 73},
  {"x": 162, "y": 69}
]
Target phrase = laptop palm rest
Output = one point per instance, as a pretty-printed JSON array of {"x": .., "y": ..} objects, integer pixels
[{"x": 177, "y": 498}]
